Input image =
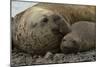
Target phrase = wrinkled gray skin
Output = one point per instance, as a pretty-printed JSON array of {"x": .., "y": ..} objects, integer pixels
[
  {"x": 81, "y": 38},
  {"x": 37, "y": 31}
]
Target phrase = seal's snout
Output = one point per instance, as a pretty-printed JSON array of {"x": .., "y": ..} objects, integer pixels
[
  {"x": 61, "y": 24},
  {"x": 68, "y": 46}
]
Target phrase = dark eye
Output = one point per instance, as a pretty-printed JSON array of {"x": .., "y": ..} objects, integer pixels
[
  {"x": 45, "y": 19},
  {"x": 73, "y": 41}
]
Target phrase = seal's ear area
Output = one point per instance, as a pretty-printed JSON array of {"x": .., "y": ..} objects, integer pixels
[{"x": 63, "y": 25}]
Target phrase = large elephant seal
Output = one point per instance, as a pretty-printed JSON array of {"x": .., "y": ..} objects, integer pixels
[
  {"x": 81, "y": 38},
  {"x": 40, "y": 28},
  {"x": 38, "y": 31}
]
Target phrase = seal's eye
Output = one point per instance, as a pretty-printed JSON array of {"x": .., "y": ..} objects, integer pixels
[
  {"x": 45, "y": 19},
  {"x": 73, "y": 41}
]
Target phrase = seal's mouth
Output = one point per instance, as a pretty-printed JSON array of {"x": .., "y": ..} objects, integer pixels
[
  {"x": 69, "y": 46},
  {"x": 68, "y": 50},
  {"x": 56, "y": 31},
  {"x": 60, "y": 25}
]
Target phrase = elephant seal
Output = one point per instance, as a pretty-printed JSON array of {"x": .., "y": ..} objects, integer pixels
[
  {"x": 41, "y": 28},
  {"x": 81, "y": 38},
  {"x": 38, "y": 31}
]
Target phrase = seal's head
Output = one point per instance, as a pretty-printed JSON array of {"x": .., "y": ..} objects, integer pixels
[
  {"x": 40, "y": 30},
  {"x": 42, "y": 18},
  {"x": 69, "y": 44}
]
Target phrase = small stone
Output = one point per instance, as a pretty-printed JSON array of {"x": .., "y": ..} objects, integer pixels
[{"x": 48, "y": 55}]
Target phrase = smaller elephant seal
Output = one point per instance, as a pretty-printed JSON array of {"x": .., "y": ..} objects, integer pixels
[{"x": 81, "y": 38}]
